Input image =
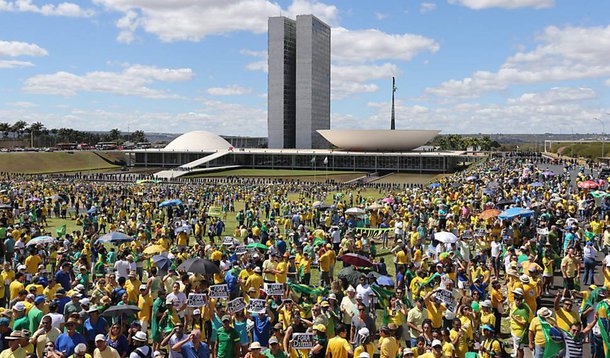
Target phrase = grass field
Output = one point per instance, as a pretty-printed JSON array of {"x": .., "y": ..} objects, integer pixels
[
  {"x": 53, "y": 162},
  {"x": 404, "y": 178}
]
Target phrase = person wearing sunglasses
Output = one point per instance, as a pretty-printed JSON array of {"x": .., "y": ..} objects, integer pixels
[
  {"x": 45, "y": 334},
  {"x": 66, "y": 342}
]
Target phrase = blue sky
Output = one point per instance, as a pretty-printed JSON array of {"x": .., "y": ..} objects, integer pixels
[{"x": 462, "y": 66}]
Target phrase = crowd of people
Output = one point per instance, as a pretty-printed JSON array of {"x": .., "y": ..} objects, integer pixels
[{"x": 500, "y": 259}]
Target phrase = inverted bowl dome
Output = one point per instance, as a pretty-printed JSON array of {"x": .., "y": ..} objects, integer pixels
[{"x": 378, "y": 140}]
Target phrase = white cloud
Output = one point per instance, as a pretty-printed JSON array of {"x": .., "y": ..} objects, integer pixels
[
  {"x": 14, "y": 64},
  {"x": 534, "y": 113},
  {"x": 193, "y": 20},
  {"x": 16, "y": 49},
  {"x": 380, "y": 15},
  {"x": 352, "y": 79},
  {"x": 426, "y": 7},
  {"x": 374, "y": 45},
  {"x": 232, "y": 90},
  {"x": 132, "y": 81},
  {"x": 564, "y": 54},
  {"x": 66, "y": 9},
  {"x": 555, "y": 95},
  {"x": 260, "y": 65},
  {"x": 214, "y": 116},
  {"x": 22, "y": 104},
  {"x": 504, "y": 4}
]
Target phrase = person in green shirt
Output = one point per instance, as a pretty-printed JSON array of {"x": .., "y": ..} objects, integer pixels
[
  {"x": 274, "y": 350},
  {"x": 21, "y": 320},
  {"x": 227, "y": 341},
  {"x": 35, "y": 314}
]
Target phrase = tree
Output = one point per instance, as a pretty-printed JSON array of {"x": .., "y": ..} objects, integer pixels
[
  {"x": 138, "y": 137},
  {"x": 115, "y": 135},
  {"x": 5, "y": 128},
  {"x": 18, "y": 127}
]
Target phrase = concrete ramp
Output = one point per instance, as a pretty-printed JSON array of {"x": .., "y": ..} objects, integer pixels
[{"x": 190, "y": 167}]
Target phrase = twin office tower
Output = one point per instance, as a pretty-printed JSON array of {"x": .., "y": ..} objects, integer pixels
[{"x": 299, "y": 82}]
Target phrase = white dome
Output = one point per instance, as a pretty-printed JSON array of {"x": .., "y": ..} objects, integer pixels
[{"x": 198, "y": 141}]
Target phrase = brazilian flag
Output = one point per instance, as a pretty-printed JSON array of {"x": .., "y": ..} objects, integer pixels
[
  {"x": 383, "y": 296},
  {"x": 604, "y": 327},
  {"x": 308, "y": 290},
  {"x": 553, "y": 337}
]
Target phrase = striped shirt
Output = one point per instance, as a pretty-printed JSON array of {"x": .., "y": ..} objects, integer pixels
[{"x": 573, "y": 345}]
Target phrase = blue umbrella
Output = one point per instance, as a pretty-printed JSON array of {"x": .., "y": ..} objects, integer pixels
[
  {"x": 172, "y": 202},
  {"x": 471, "y": 178},
  {"x": 434, "y": 185},
  {"x": 162, "y": 262},
  {"x": 536, "y": 184},
  {"x": 41, "y": 240},
  {"x": 488, "y": 191},
  {"x": 186, "y": 228},
  {"x": 93, "y": 210},
  {"x": 114, "y": 237},
  {"x": 385, "y": 281},
  {"x": 515, "y": 212}
]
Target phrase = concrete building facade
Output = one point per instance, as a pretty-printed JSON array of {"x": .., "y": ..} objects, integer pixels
[
  {"x": 281, "y": 107},
  {"x": 299, "y": 82},
  {"x": 312, "y": 81}
]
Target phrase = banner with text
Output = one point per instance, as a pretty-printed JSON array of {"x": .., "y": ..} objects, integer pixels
[
  {"x": 257, "y": 306},
  {"x": 236, "y": 305},
  {"x": 196, "y": 300},
  {"x": 274, "y": 289},
  {"x": 303, "y": 341},
  {"x": 219, "y": 291}
]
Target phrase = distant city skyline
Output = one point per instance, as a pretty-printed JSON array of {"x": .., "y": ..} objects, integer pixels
[{"x": 462, "y": 66}]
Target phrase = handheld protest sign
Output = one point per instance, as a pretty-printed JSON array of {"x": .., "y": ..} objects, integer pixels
[
  {"x": 274, "y": 289},
  {"x": 257, "y": 305},
  {"x": 236, "y": 305},
  {"x": 196, "y": 300},
  {"x": 219, "y": 291},
  {"x": 302, "y": 341}
]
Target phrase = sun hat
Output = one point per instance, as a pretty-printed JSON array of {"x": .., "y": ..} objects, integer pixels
[
  {"x": 524, "y": 278},
  {"x": 140, "y": 336},
  {"x": 518, "y": 291},
  {"x": 544, "y": 312},
  {"x": 14, "y": 335},
  {"x": 254, "y": 345},
  {"x": 364, "y": 355}
]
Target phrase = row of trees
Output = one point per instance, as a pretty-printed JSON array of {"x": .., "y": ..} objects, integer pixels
[
  {"x": 458, "y": 142},
  {"x": 41, "y": 136}
]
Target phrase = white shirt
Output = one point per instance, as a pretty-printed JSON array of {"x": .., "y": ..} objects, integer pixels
[
  {"x": 367, "y": 293},
  {"x": 348, "y": 305},
  {"x": 122, "y": 268},
  {"x": 179, "y": 300},
  {"x": 56, "y": 319},
  {"x": 144, "y": 350},
  {"x": 496, "y": 248}
]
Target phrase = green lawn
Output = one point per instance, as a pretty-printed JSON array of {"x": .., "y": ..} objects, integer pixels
[
  {"x": 53, "y": 162},
  {"x": 271, "y": 173}
]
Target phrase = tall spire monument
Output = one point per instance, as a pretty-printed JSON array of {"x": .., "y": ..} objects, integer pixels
[{"x": 393, "y": 122}]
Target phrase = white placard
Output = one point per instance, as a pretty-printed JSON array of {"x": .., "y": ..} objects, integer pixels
[
  {"x": 219, "y": 291},
  {"x": 303, "y": 341},
  {"x": 236, "y": 305},
  {"x": 274, "y": 289},
  {"x": 196, "y": 300},
  {"x": 257, "y": 305}
]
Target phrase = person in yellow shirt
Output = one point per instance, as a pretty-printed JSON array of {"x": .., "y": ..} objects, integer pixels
[
  {"x": 487, "y": 316},
  {"x": 388, "y": 346},
  {"x": 324, "y": 261},
  {"x": 132, "y": 287},
  {"x": 563, "y": 313},
  {"x": 458, "y": 338},
  {"x": 243, "y": 277},
  {"x": 530, "y": 292},
  {"x": 537, "y": 340},
  {"x": 255, "y": 281},
  {"x": 366, "y": 343},
  {"x": 339, "y": 347},
  {"x": 491, "y": 347},
  {"x": 145, "y": 303},
  {"x": 32, "y": 262},
  {"x": 435, "y": 310},
  {"x": 305, "y": 268},
  {"x": 16, "y": 286},
  {"x": 281, "y": 270}
]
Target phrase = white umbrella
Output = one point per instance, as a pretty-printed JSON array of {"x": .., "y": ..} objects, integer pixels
[
  {"x": 354, "y": 211},
  {"x": 445, "y": 237}
]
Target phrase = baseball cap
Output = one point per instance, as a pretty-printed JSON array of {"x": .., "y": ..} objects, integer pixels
[
  {"x": 319, "y": 328},
  {"x": 273, "y": 340},
  {"x": 100, "y": 337},
  {"x": 436, "y": 343},
  {"x": 226, "y": 318},
  {"x": 19, "y": 306},
  {"x": 39, "y": 299},
  {"x": 407, "y": 351},
  {"x": 518, "y": 291}
]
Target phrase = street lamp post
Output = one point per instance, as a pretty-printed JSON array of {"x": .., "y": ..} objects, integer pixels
[{"x": 603, "y": 136}]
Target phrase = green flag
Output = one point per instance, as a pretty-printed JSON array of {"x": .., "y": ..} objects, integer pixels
[
  {"x": 61, "y": 231},
  {"x": 383, "y": 295},
  {"x": 554, "y": 343},
  {"x": 301, "y": 288},
  {"x": 603, "y": 328}
]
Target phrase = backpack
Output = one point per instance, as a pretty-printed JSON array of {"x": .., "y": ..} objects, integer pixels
[{"x": 142, "y": 355}]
